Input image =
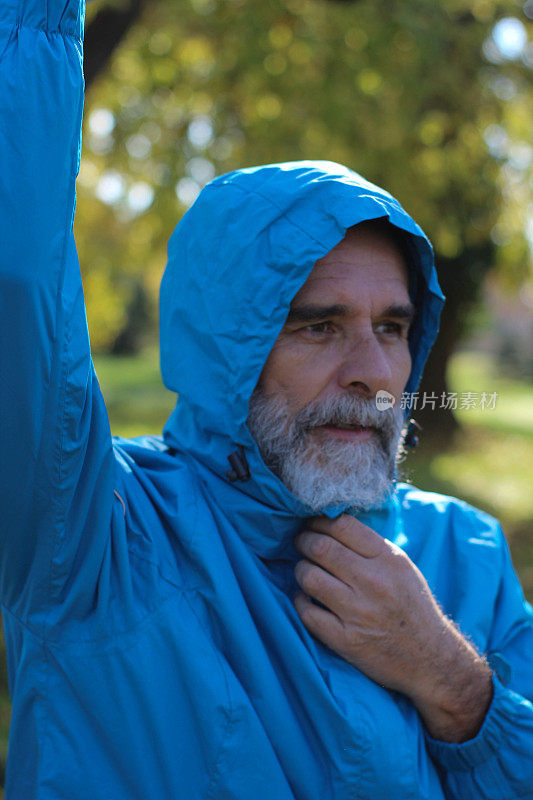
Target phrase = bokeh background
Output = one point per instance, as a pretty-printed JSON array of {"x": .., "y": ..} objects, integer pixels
[{"x": 431, "y": 100}]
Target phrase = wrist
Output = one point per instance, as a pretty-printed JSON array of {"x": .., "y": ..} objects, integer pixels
[{"x": 454, "y": 703}]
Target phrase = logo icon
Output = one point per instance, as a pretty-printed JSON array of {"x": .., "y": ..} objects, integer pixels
[{"x": 384, "y": 400}]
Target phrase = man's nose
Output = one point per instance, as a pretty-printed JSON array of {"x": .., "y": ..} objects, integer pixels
[{"x": 364, "y": 366}]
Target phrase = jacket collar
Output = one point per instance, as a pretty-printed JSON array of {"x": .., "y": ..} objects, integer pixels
[{"x": 262, "y": 510}]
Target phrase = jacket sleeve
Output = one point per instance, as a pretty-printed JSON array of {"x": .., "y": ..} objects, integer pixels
[
  {"x": 55, "y": 444},
  {"x": 498, "y": 763}
]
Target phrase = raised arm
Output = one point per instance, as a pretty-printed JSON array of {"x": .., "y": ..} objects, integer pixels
[{"x": 55, "y": 448}]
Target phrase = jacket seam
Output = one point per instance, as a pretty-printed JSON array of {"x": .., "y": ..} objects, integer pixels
[
  {"x": 61, "y": 418},
  {"x": 145, "y": 560},
  {"x": 43, "y": 678},
  {"x": 283, "y": 213},
  {"x": 47, "y": 717},
  {"x": 63, "y": 358},
  {"x": 286, "y": 216},
  {"x": 215, "y": 771},
  {"x": 51, "y": 643},
  {"x": 116, "y": 634},
  {"x": 21, "y": 622}
]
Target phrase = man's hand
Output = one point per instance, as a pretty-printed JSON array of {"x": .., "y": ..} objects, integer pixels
[{"x": 381, "y": 616}]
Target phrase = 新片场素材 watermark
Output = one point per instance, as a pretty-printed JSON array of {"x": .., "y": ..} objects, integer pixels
[{"x": 413, "y": 401}]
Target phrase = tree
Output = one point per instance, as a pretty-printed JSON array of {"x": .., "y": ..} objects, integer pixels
[
  {"x": 104, "y": 32},
  {"x": 404, "y": 93}
]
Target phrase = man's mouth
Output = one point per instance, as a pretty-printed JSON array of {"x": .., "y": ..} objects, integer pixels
[
  {"x": 350, "y": 431},
  {"x": 348, "y": 426}
]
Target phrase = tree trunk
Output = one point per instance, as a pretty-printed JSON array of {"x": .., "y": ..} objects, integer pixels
[
  {"x": 104, "y": 34},
  {"x": 461, "y": 279}
]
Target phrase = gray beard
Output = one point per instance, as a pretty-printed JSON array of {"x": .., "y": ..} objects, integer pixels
[{"x": 322, "y": 471}]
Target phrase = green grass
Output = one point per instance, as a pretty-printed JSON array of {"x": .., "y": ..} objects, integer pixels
[
  {"x": 136, "y": 399},
  {"x": 489, "y": 462},
  {"x": 478, "y": 372}
]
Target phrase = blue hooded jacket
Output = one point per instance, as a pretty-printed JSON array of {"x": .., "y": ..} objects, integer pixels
[{"x": 153, "y": 648}]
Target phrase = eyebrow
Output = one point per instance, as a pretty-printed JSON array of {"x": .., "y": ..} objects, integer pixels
[
  {"x": 405, "y": 311},
  {"x": 314, "y": 313}
]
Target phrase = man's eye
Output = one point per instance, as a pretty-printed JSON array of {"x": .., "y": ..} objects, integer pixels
[
  {"x": 319, "y": 327},
  {"x": 392, "y": 329}
]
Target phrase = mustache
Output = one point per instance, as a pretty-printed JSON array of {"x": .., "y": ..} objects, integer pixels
[
  {"x": 320, "y": 470},
  {"x": 347, "y": 410}
]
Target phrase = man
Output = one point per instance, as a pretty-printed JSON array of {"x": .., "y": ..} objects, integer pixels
[
  {"x": 337, "y": 450},
  {"x": 157, "y": 643}
]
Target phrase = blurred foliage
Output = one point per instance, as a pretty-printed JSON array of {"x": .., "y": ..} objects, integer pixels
[{"x": 416, "y": 96}]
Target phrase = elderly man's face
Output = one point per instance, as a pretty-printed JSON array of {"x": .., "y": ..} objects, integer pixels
[{"x": 345, "y": 338}]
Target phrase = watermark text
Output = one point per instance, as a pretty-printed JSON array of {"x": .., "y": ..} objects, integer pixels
[{"x": 452, "y": 401}]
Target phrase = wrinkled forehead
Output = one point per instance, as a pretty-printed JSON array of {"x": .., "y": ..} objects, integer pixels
[{"x": 369, "y": 258}]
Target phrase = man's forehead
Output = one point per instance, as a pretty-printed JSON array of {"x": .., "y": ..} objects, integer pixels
[
  {"x": 363, "y": 262},
  {"x": 364, "y": 246}
]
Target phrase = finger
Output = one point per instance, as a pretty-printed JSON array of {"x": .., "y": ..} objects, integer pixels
[
  {"x": 330, "y": 554},
  {"x": 319, "y": 622},
  {"x": 322, "y": 586},
  {"x": 351, "y": 533}
]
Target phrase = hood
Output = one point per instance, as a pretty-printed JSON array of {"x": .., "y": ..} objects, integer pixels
[{"x": 235, "y": 262}]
